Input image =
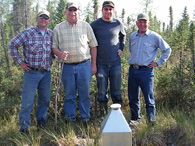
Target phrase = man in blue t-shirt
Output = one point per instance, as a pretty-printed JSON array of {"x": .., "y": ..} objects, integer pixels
[{"x": 110, "y": 35}]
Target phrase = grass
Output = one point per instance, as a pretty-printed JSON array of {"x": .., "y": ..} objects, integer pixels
[{"x": 172, "y": 127}]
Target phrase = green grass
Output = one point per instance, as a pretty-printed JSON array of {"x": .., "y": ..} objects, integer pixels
[
  {"x": 172, "y": 127},
  {"x": 175, "y": 123}
]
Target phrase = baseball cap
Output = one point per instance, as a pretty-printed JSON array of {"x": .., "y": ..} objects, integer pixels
[
  {"x": 43, "y": 12},
  {"x": 71, "y": 4},
  {"x": 142, "y": 16},
  {"x": 108, "y": 3}
]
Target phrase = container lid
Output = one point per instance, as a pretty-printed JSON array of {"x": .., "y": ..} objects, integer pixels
[{"x": 115, "y": 106}]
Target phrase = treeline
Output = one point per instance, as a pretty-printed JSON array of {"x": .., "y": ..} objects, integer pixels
[{"x": 175, "y": 81}]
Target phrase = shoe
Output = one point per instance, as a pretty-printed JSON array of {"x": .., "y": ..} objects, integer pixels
[
  {"x": 69, "y": 121},
  {"x": 24, "y": 132},
  {"x": 102, "y": 111},
  {"x": 40, "y": 127},
  {"x": 133, "y": 124},
  {"x": 85, "y": 123},
  {"x": 151, "y": 123}
]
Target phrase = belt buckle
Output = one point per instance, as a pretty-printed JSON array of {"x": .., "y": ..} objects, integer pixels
[
  {"x": 41, "y": 69},
  {"x": 135, "y": 66}
]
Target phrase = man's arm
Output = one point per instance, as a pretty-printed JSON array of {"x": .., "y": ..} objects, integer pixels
[
  {"x": 62, "y": 55},
  {"x": 14, "y": 45},
  {"x": 93, "y": 52},
  {"x": 165, "y": 54}
]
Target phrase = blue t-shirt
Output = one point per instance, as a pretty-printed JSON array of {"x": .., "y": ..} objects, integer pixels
[
  {"x": 42, "y": 32},
  {"x": 111, "y": 37}
]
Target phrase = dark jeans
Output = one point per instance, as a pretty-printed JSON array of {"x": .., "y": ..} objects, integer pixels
[
  {"x": 113, "y": 74},
  {"x": 34, "y": 80},
  {"x": 77, "y": 79},
  {"x": 141, "y": 79}
]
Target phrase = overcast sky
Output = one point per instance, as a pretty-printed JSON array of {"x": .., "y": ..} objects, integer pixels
[{"x": 160, "y": 8}]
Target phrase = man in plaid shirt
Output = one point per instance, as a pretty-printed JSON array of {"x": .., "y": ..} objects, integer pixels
[
  {"x": 74, "y": 42},
  {"x": 36, "y": 42}
]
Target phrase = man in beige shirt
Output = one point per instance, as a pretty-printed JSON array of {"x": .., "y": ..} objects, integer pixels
[{"x": 74, "y": 42}]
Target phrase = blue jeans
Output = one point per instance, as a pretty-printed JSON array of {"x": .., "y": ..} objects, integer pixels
[
  {"x": 34, "y": 80},
  {"x": 141, "y": 79},
  {"x": 77, "y": 79},
  {"x": 113, "y": 73}
]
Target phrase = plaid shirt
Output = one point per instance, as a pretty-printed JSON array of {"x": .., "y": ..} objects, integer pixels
[
  {"x": 36, "y": 48},
  {"x": 77, "y": 39}
]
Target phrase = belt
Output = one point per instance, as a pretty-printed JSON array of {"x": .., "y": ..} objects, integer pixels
[
  {"x": 137, "y": 66},
  {"x": 77, "y": 62},
  {"x": 40, "y": 69}
]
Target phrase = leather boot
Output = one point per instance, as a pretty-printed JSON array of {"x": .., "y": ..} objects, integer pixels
[{"x": 103, "y": 110}]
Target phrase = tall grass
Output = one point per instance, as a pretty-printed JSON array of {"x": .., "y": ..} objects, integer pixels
[
  {"x": 172, "y": 127},
  {"x": 175, "y": 120}
]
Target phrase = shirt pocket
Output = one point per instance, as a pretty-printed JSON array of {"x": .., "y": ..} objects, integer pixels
[
  {"x": 33, "y": 48},
  {"x": 84, "y": 40},
  {"x": 47, "y": 46},
  {"x": 133, "y": 48},
  {"x": 148, "y": 49}
]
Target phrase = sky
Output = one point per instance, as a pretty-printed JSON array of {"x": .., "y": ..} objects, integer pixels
[{"x": 160, "y": 8}]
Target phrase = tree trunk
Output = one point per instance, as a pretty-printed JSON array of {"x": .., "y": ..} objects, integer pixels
[
  {"x": 192, "y": 50},
  {"x": 96, "y": 7},
  {"x": 25, "y": 14},
  {"x": 5, "y": 51}
]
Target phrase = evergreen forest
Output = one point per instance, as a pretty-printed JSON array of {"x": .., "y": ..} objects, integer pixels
[{"x": 174, "y": 86}]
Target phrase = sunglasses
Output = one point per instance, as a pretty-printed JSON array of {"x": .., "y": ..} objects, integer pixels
[
  {"x": 70, "y": 9},
  {"x": 108, "y": 9},
  {"x": 44, "y": 17}
]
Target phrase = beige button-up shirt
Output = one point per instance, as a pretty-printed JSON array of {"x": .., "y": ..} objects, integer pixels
[{"x": 76, "y": 39}]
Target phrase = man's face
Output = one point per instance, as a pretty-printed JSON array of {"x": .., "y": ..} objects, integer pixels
[
  {"x": 142, "y": 25},
  {"x": 107, "y": 13},
  {"x": 72, "y": 14},
  {"x": 42, "y": 21}
]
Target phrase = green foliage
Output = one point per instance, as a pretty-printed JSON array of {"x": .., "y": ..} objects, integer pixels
[
  {"x": 176, "y": 87},
  {"x": 10, "y": 90},
  {"x": 88, "y": 14},
  {"x": 154, "y": 23},
  {"x": 59, "y": 14}
]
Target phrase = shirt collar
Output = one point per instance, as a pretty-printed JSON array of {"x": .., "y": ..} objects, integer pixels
[
  {"x": 146, "y": 33},
  {"x": 67, "y": 23},
  {"x": 112, "y": 20},
  {"x": 38, "y": 30}
]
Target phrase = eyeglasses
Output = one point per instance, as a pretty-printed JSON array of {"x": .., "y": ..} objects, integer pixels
[
  {"x": 44, "y": 17},
  {"x": 72, "y": 10},
  {"x": 108, "y": 9}
]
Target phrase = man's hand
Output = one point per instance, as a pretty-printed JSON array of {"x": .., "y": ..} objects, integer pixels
[
  {"x": 64, "y": 55},
  {"x": 120, "y": 52},
  {"x": 94, "y": 69},
  {"x": 152, "y": 64},
  {"x": 25, "y": 66}
]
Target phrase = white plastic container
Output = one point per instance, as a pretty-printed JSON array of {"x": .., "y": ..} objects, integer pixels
[{"x": 115, "y": 129}]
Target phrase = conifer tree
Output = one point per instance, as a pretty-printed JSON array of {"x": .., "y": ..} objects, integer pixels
[
  {"x": 181, "y": 36},
  {"x": 171, "y": 17},
  {"x": 3, "y": 9},
  {"x": 59, "y": 16},
  {"x": 192, "y": 44},
  {"x": 89, "y": 14},
  {"x": 51, "y": 9},
  {"x": 96, "y": 7}
]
